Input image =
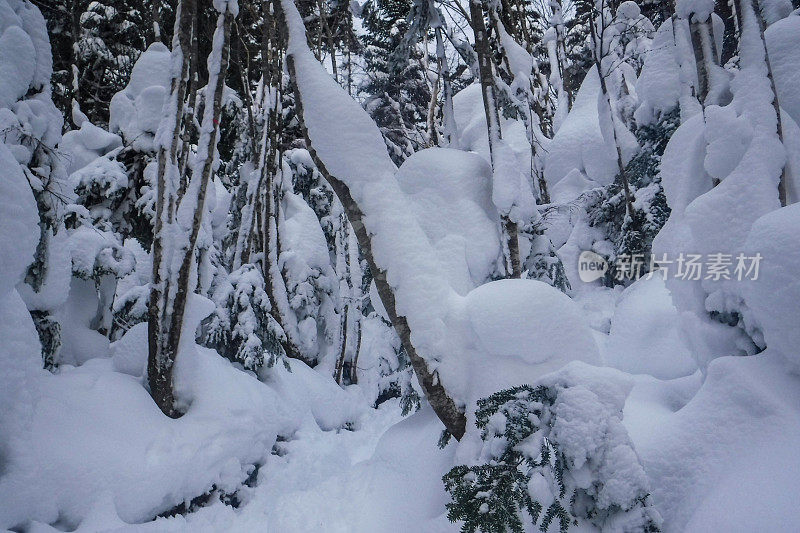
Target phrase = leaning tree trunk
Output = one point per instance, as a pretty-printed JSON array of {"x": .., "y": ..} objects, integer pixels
[
  {"x": 443, "y": 405},
  {"x": 491, "y": 109}
]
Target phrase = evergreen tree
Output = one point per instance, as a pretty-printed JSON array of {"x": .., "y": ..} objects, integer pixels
[
  {"x": 632, "y": 236},
  {"x": 396, "y": 92},
  {"x": 95, "y": 45},
  {"x": 529, "y": 465}
]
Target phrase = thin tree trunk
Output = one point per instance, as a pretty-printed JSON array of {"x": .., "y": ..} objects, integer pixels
[
  {"x": 491, "y": 109},
  {"x": 343, "y": 263},
  {"x": 161, "y": 359},
  {"x": 211, "y": 125},
  {"x": 156, "y": 13},
  {"x": 194, "y": 81},
  {"x": 448, "y": 115},
  {"x": 775, "y": 102},
  {"x": 597, "y": 54},
  {"x": 273, "y": 44},
  {"x": 354, "y": 365},
  {"x": 705, "y": 56}
]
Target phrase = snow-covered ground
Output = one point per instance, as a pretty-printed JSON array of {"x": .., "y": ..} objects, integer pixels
[{"x": 672, "y": 401}]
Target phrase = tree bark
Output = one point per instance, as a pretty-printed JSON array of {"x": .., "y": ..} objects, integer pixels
[
  {"x": 597, "y": 55},
  {"x": 445, "y": 408},
  {"x": 491, "y": 109},
  {"x": 160, "y": 359}
]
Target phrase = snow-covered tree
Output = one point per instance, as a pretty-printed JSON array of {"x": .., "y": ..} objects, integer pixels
[
  {"x": 395, "y": 85},
  {"x": 557, "y": 453}
]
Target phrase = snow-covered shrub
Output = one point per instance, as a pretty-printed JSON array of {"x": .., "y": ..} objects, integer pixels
[
  {"x": 543, "y": 262},
  {"x": 633, "y": 236},
  {"x": 241, "y": 327},
  {"x": 553, "y": 453}
]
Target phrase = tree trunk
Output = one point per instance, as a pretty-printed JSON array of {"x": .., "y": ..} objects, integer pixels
[
  {"x": 597, "y": 55},
  {"x": 491, "y": 109},
  {"x": 445, "y": 408},
  {"x": 345, "y": 288},
  {"x": 705, "y": 56},
  {"x": 273, "y": 44},
  {"x": 724, "y": 10},
  {"x": 160, "y": 359},
  {"x": 775, "y": 101},
  {"x": 211, "y": 126}
]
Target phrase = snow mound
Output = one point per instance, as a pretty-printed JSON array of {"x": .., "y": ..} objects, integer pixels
[
  {"x": 522, "y": 330},
  {"x": 645, "y": 337},
  {"x": 736, "y": 438},
  {"x": 93, "y": 432},
  {"x": 135, "y": 112},
  {"x": 773, "y": 297},
  {"x": 451, "y": 197},
  {"x": 86, "y": 144}
]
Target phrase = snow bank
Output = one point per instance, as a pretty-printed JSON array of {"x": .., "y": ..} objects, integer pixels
[
  {"x": 736, "y": 438},
  {"x": 94, "y": 432},
  {"x": 645, "y": 337},
  {"x": 580, "y": 144},
  {"x": 451, "y": 195},
  {"x": 736, "y": 146}
]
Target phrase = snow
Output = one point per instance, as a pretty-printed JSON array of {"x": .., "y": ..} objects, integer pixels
[
  {"x": 502, "y": 313},
  {"x": 94, "y": 431},
  {"x": 656, "y": 388},
  {"x": 135, "y": 112},
  {"x": 473, "y": 134},
  {"x": 450, "y": 193},
  {"x": 580, "y": 144},
  {"x": 697, "y": 452},
  {"x": 782, "y": 41},
  {"x": 645, "y": 337},
  {"x": 699, "y": 9},
  {"x": 773, "y": 296},
  {"x": 86, "y": 144},
  {"x": 17, "y": 64},
  {"x": 349, "y": 144},
  {"x": 658, "y": 86},
  {"x": 19, "y": 232}
]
